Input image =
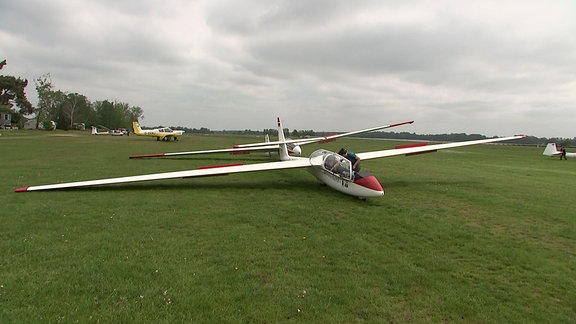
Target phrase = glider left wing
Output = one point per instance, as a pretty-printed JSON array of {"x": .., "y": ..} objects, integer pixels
[{"x": 201, "y": 172}]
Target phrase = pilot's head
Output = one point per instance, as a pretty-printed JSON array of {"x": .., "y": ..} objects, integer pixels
[{"x": 342, "y": 151}]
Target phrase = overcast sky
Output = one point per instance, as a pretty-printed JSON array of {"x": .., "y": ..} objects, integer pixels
[{"x": 453, "y": 66}]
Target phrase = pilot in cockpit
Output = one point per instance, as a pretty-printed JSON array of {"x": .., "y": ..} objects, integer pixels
[{"x": 341, "y": 167}]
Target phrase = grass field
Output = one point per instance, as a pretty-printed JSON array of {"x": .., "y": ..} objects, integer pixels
[{"x": 479, "y": 234}]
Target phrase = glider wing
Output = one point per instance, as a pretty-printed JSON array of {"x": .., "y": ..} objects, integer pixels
[
  {"x": 201, "y": 172},
  {"x": 430, "y": 148},
  {"x": 328, "y": 138},
  {"x": 228, "y": 150}
]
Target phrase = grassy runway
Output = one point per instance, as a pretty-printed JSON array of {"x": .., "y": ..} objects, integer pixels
[{"x": 479, "y": 234}]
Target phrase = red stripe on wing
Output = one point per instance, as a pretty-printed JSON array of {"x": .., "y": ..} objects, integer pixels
[
  {"x": 411, "y": 145},
  {"x": 219, "y": 166}
]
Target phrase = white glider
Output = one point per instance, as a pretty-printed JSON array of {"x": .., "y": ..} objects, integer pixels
[
  {"x": 552, "y": 150},
  {"x": 108, "y": 131},
  {"x": 328, "y": 167}
]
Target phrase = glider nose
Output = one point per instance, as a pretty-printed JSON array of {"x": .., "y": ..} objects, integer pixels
[
  {"x": 296, "y": 151},
  {"x": 370, "y": 182}
]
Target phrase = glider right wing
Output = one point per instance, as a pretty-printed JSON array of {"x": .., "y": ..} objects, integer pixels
[{"x": 430, "y": 148}]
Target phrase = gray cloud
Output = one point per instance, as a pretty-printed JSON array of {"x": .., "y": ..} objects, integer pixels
[{"x": 479, "y": 67}]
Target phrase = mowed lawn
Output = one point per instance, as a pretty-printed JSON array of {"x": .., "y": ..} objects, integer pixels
[{"x": 479, "y": 234}]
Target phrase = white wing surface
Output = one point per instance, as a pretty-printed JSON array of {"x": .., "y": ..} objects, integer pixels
[
  {"x": 336, "y": 136},
  {"x": 202, "y": 172},
  {"x": 232, "y": 150},
  {"x": 430, "y": 148}
]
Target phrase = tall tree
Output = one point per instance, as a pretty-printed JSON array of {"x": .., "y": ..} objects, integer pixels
[
  {"x": 12, "y": 95},
  {"x": 46, "y": 99},
  {"x": 76, "y": 108},
  {"x": 135, "y": 114}
]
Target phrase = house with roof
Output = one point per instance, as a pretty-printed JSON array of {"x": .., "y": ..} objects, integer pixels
[{"x": 5, "y": 120}]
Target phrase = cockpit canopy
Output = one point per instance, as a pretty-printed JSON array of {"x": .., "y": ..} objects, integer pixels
[{"x": 337, "y": 164}]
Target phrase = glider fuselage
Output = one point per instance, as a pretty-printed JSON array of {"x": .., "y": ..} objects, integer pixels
[{"x": 336, "y": 172}]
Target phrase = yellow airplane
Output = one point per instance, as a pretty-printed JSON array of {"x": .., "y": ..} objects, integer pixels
[{"x": 161, "y": 134}]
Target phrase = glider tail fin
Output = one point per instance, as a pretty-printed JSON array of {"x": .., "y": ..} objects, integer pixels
[
  {"x": 551, "y": 150},
  {"x": 93, "y": 130},
  {"x": 283, "y": 151},
  {"x": 136, "y": 128}
]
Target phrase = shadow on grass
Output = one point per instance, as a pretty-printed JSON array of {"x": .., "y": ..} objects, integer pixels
[
  {"x": 312, "y": 188},
  {"x": 410, "y": 183}
]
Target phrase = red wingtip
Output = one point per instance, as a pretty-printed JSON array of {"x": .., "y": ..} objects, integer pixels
[
  {"x": 145, "y": 156},
  {"x": 403, "y": 123},
  {"x": 23, "y": 189}
]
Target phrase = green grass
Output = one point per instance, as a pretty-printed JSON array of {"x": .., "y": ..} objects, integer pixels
[{"x": 479, "y": 234}]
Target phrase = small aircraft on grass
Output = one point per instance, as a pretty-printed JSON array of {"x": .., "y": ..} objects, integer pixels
[
  {"x": 293, "y": 146},
  {"x": 108, "y": 131},
  {"x": 161, "y": 134},
  {"x": 328, "y": 167},
  {"x": 552, "y": 150}
]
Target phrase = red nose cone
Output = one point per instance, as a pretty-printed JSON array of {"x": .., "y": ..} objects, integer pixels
[{"x": 369, "y": 182}]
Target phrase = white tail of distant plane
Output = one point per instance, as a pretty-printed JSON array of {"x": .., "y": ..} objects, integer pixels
[{"x": 552, "y": 150}]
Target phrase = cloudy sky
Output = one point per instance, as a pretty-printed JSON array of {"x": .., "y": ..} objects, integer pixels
[{"x": 474, "y": 66}]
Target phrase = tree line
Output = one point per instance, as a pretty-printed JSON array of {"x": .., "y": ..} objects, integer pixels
[
  {"x": 452, "y": 137},
  {"x": 70, "y": 109},
  {"x": 64, "y": 110}
]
